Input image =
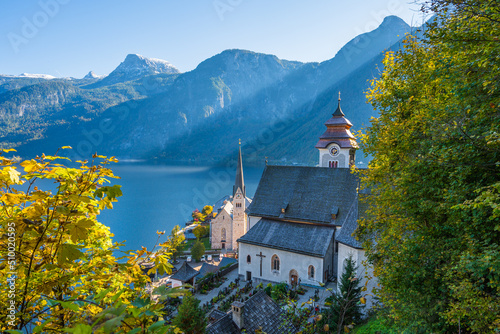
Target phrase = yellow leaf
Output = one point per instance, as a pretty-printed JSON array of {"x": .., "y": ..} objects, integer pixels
[
  {"x": 14, "y": 175},
  {"x": 66, "y": 147},
  {"x": 30, "y": 165},
  {"x": 363, "y": 300},
  {"x": 11, "y": 199}
]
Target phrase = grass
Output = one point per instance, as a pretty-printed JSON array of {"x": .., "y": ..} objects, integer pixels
[
  {"x": 375, "y": 325},
  {"x": 189, "y": 244}
]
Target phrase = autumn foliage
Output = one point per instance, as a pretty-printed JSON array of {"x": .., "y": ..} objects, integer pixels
[
  {"x": 60, "y": 258},
  {"x": 434, "y": 227}
]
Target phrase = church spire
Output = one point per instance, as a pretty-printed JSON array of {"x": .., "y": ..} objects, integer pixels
[
  {"x": 239, "y": 182},
  {"x": 338, "y": 112},
  {"x": 337, "y": 146}
]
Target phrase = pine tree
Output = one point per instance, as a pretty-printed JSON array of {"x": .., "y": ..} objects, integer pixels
[
  {"x": 190, "y": 318},
  {"x": 346, "y": 307}
]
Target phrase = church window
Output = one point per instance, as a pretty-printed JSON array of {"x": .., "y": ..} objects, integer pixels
[
  {"x": 275, "y": 263},
  {"x": 238, "y": 205},
  {"x": 223, "y": 234},
  {"x": 333, "y": 164},
  {"x": 249, "y": 259},
  {"x": 311, "y": 272}
]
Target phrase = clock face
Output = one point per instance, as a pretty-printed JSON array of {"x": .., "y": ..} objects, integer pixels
[
  {"x": 334, "y": 150},
  {"x": 238, "y": 196}
]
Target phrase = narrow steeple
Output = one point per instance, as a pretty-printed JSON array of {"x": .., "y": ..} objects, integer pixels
[
  {"x": 239, "y": 182},
  {"x": 338, "y": 112}
]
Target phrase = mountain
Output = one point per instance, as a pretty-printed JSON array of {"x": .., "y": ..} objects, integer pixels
[
  {"x": 146, "y": 108},
  {"x": 92, "y": 75},
  {"x": 134, "y": 67}
]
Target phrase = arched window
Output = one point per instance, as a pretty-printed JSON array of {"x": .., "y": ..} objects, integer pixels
[
  {"x": 223, "y": 234},
  {"x": 249, "y": 259},
  {"x": 311, "y": 272},
  {"x": 275, "y": 262}
]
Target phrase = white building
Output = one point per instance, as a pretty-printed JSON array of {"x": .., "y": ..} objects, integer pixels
[{"x": 301, "y": 219}]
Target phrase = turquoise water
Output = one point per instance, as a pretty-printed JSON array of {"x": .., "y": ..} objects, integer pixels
[{"x": 156, "y": 197}]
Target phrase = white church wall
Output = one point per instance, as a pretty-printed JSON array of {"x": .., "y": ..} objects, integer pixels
[
  {"x": 252, "y": 220},
  {"x": 288, "y": 262},
  {"x": 358, "y": 255}
]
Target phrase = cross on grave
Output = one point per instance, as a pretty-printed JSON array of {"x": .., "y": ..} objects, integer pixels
[{"x": 261, "y": 256}]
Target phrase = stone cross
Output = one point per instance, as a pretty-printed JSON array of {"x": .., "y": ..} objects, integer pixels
[{"x": 261, "y": 256}]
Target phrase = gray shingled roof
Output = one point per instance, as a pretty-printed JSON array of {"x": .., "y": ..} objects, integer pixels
[
  {"x": 259, "y": 312},
  {"x": 305, "y": 239},
  {"x": 185, "y": 273},
  {"x": 345, "y": 235},
  {"x": 308, "y": 193},
  {"x": 225, "y": 261},
  {"x": 220, "y": 203},
  {"x": 224, "y": 325},
  {"x": 262, "y": 311},
  {"x": 205, "y": 269},
  {"x": 216, "y": 314},
  {"x": 359, "y": 211}
]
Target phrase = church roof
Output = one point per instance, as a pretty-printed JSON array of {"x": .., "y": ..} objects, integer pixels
[
  {"x": 309, "y": 194},
  {"x": 345, "y": 234},
  {"x": 239, "y": 181},
  {"x": 304, "y": 239},
  {"x": 337, "y": 131},
  {"x": 358, "y": 210},
  {"x": 259, "y": 312},
  {"x": 185, "y": 273},
  {"x": 219, "y": 205}
]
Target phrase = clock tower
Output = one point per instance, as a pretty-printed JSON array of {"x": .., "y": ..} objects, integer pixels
[
  {"x": 337, "y": 146},
  {"x": 239, "y": 203}
]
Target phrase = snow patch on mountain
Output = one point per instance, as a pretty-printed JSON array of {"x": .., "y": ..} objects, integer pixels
[{"x": 92, "y": 75}]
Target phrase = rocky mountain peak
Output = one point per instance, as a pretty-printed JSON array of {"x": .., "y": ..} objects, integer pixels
[{"x": 137, "y": 65}]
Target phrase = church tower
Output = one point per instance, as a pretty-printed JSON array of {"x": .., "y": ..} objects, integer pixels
[
  {"x": 239, "y": 203},
  {"x": 337, "y": 146}
]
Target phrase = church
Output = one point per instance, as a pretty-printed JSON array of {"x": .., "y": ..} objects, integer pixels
[
  {"x": 301, "y": 219},
  {"x": 230, "y": 223}
]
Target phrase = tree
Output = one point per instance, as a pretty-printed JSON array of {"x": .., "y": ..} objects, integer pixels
[
  {"x": 198, "y": 216},
  {"x": 190, "y": 319},
  {"x": 200, "y": 231},
  {"x": 198, "y": 250},
  {"x": 59, "y": 261},
  {"x": 433, "y": 232},
  {"x": 207, "y": 209},
  {"x": 175, "y": 241},
  {"x": 345, "y": 310}
]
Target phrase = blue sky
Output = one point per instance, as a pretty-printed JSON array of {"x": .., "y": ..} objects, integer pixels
[{"x": 72, "y": 37}]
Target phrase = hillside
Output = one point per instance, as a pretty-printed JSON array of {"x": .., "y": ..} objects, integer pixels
[{"x": 145, "y": 108}]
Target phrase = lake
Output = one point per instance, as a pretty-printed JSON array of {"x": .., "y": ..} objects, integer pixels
[{"x": 156, "y": 197}]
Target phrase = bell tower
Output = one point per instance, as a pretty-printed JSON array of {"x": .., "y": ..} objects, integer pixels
[
  {"x": 337, "y": 146},
  {"x": 239, "y": 203}
]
